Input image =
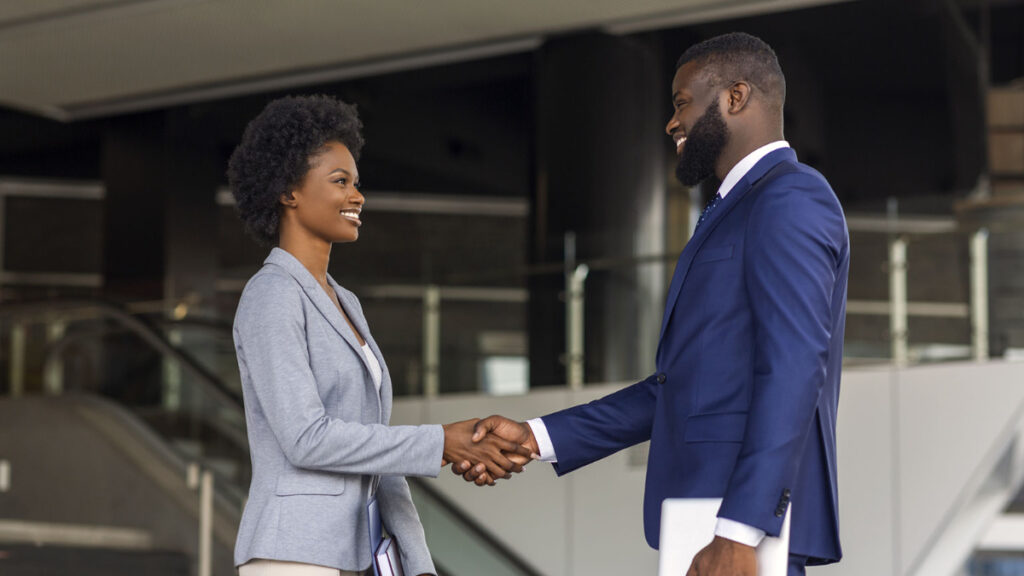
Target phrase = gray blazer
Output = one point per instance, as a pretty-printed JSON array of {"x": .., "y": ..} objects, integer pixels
[{"x": 318, "y": 430}]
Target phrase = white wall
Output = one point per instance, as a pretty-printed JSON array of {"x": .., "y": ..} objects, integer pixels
[{"x": 915, "y": 449}]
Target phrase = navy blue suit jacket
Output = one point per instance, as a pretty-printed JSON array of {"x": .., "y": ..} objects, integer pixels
[{"x": 743, "y": 403}]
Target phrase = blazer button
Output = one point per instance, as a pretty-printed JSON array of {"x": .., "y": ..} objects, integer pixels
[
  {"x": 661, "y": 378},
  {"x": 779, "y": 513}
]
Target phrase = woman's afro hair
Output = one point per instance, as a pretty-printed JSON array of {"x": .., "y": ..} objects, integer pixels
[{"x": 275, "y": 155}]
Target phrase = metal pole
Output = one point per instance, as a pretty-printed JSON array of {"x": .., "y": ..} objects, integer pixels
[
  {"x": 431, "y": 341},
  {"x": 574, "y": 327},
  {"x": 898, "y": 299},
  {"x": 568, "y": 268},
  {"x": 206, "y": 524},
  {"x": 979, "y": 294},
  {"x": 3, "y": 235},
  {"x": 53, "y": 370},
  {"x": 202, "y": 480},
  {"x": 5, "y": 476},
  {"x": 171, "y": 396},
  {"x": 17, "y": 360}
]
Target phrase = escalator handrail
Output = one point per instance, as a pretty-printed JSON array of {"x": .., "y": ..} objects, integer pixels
[{"x": 55, "y": 310}]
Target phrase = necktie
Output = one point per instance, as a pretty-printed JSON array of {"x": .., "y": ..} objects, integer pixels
[{"x": 707, "y": 210}]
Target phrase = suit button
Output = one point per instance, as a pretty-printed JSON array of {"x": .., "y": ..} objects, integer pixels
[
  {"x": 661, "y": 378},
  {"x": 785, "y": 493},
  {"x": 779, "y": 513}
]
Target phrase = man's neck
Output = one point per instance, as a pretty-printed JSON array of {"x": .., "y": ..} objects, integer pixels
[{"x": 732, "y": 154}]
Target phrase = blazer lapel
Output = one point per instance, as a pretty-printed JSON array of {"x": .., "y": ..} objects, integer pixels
[
  {"x": 711, "y": 222},
  {"x": 359, "y": 321},
  {"x": 320, "y": 299}
]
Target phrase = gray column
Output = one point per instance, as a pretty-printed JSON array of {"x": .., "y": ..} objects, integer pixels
[{"x": 601, "y": 170}]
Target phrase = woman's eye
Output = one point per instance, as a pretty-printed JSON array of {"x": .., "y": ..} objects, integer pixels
[{"x": 341, "y": 181}]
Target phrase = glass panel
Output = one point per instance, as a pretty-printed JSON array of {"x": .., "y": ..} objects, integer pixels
[{"x": 459, "y": 546}]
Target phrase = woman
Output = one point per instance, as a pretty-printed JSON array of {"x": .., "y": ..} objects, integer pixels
[{"x": 317, "y": 391}]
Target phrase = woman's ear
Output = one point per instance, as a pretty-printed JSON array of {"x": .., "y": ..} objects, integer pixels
[{"x": 288, "y": 199}]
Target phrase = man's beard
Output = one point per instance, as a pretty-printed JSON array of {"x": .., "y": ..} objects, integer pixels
[{"x": 704, "y": 144}]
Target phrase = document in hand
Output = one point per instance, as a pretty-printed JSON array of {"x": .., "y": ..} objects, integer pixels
[
  {"x": 387, "y": 560},
  {"x": 376, "y": 529},
  {"x": 688, "y": 525}
]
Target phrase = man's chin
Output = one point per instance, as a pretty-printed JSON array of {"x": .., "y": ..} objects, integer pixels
[{"x": 691, "y": 178}]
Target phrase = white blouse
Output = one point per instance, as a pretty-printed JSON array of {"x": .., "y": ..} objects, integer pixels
[{"x": 375, "y": 370}]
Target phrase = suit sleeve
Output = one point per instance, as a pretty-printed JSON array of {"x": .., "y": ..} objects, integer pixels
[
  {"x": 270, "y": 338},
  {"x": 588, "y": 432},
  {"x": 793, "y": 243},
  {"x": 403, "y": 522}
]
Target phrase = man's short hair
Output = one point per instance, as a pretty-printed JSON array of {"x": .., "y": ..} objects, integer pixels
[{"x": 739, "y": 56}]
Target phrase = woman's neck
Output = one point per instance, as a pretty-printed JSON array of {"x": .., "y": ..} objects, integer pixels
[{"x": 313, "y": 253}]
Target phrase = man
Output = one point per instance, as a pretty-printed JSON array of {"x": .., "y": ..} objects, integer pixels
[{"x": 743, "y": 403}]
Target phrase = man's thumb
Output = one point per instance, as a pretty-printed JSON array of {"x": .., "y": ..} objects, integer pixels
[{"x": 482, "y": 428}]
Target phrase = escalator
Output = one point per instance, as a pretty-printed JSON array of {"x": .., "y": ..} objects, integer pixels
[{"x": 164, "y": 397}]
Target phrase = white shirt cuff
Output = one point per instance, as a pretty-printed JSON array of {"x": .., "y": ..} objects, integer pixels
[
  {"x": 739, "y": 532},
  {"x": 540, "y": 434}
]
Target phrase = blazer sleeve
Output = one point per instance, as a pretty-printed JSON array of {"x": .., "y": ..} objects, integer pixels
[
  {"x": 270, "y": 337},
  {"x": 586, "y": 433},
  {"x": 399, "y": 516},
  {"x": 794, "y": 241}
]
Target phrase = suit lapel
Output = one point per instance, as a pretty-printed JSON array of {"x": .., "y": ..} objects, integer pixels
[{"x": 711, "y": 222}]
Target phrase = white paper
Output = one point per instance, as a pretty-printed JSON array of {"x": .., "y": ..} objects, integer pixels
[{"x": 688, "y": 525}]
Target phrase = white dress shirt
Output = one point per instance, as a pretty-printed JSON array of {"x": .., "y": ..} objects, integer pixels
[{"x": 735, "y": 531}]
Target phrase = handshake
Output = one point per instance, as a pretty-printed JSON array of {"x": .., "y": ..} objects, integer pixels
[{"x": 483, "y": 451}]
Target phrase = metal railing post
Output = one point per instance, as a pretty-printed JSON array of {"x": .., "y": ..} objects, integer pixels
[
  {"x": 206, "y": 524},
  {"x": 898, "y": 299},
  {"x": 5, "y": 476},
  {"x": 574, "y": 326},
  {"x": 172, "y": 377},
  {"x": 979, "y": 294},
  {"x": 202, "y": 480},
  {"x": 431, "y": 341},
  {"x": 17, "y": 365},
  {"x": 53, "y": 370}
]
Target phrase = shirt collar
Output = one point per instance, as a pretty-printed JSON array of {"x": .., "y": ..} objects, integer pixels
[{"x": 743, "y": 166}]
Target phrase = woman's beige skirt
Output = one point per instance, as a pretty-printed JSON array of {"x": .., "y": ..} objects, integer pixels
[{"x": 282, "y": 568}]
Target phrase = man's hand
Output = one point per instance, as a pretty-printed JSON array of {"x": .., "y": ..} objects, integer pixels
[
  {"x": 509, "y": 430},
  {"x": 493, "y": 454},
  {"x": 724, "y": 557}
]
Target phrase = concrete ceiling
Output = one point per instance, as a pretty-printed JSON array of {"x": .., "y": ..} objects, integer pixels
[{"x": 73, "y": 59}]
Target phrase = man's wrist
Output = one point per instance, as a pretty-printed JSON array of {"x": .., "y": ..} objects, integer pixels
[{"x": 539, "y": 432}]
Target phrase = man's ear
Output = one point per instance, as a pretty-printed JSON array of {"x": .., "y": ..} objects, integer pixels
[{"x": 739, "y": 97}]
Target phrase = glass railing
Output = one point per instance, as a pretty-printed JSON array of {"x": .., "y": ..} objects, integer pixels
[
  {"x": 180, "y": 377},
  {"x": 55, "y": 348},
  {"x": 461, "y": 545},
  {"x": 919, "y": 291}
]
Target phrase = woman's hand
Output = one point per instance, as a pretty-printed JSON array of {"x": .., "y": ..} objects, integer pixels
[
  {"x": 490, "y": 452},
  {"x": 517, "y": 432}
]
